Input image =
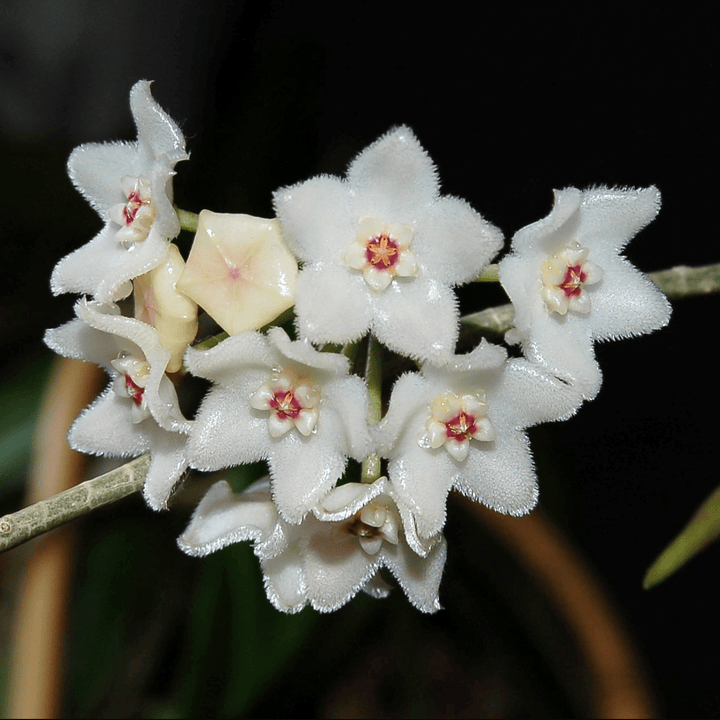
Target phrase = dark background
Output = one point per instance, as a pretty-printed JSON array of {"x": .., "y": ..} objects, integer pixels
[{"x": 509, "y": 104}]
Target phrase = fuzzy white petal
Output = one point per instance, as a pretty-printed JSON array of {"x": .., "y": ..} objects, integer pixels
[
  {"x": 103, "y": 266},
  {"x": 391, "y": 185},
  {"x": 223, "y": 518},
  {"x": 429, "y": 334},
  {"x": 620, "y": 302}
]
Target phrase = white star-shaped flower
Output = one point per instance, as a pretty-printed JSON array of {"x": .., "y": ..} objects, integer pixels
[
  {"x": 138, "y": 412},
  {"x": 463, "y": 426},
  {"x": 282, "y": 401},
  {"x": 382, "y": 250},
  {"x": 130, "y": 186},
  {"x": 334, "y": 553},
  {"x": 570, "y": 285}
]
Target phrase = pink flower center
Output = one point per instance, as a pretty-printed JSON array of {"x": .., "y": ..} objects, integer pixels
[
  {"x": 286, "y": 405},
  {"x": 134, "y": 203},
  {"x": 463, "y": 426},
  {"x": 382, "y": 252},
  {"x": 134, "y": 390},
  {"x": 573, "y": 281}
]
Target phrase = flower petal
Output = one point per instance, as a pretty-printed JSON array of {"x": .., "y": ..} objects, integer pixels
[
  {"x": 453, "y": 243},
  {"x": 223, "y": 518},
  {"x": 332, "y": 304},
  {"x": 315, "y": 220},
  {"x": 427, "y": 334},
  {"x": 392, "y": 177}
]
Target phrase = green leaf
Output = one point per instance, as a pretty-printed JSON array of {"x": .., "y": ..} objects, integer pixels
[{"x": 703, "y": 528}]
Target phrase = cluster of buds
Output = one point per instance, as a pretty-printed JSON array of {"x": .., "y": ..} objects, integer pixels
[{"x": 369, "y": 263}]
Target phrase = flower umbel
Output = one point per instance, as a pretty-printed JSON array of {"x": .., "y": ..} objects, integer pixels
[{"x": 367, "y": 260}]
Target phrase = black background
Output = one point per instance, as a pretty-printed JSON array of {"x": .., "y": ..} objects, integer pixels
[{"x": 510, "y": 104}]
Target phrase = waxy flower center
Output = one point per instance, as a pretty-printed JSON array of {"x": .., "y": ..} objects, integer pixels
[
  {"x": 462, "y": 427},
  {"x": 293, "y": 402},
  {"x": 374, "y": 524},
  {"x": 131, "y": 383},
  {"x": 133, "y": 205},
  {"x": 360, "y": 529},
  {"x": 134, "y": 390},
  {"x": 137, "y": 214},
  {"x": 573, "y": 281},
  {"x": 382, "y": 252},
  {"x": 286, "y": 405},
  {"x": 564, "y": 276},
  {"x": 455, "y": 420}
]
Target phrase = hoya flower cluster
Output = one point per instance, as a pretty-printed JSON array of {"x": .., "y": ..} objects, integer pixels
[{"x": 354, "y": 498}]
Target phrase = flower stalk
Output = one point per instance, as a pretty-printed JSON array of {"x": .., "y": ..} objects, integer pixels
[
  {"x": 188, "y": 220},
  {"x": 371, "y": 469}
]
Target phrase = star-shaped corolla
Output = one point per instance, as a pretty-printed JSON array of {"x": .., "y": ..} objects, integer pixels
[
  {"x": 239, "y": 271},
  {"x": 159, "y": 303},
  {"x": 570, "y": 286},
  {"x": 130, "y": 186},
  {"x": 382, "y": 250},
  {"x": 282, "y": 401},
  {"x": 334, "y": 553},
  {"x": 138, "y": 412},
  {"x": 463, "y": 426}
]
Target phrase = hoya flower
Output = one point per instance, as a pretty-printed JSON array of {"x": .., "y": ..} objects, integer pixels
[
  {"x": 130, "y": 186},
  {"x": 570, "y": 285},
  {"x": 159, "y": 303},
  {"x": 463, "y": 426},
  {"x": 334, "y": 553},
  {"x": 282, "y": 401},
  {"x": 382, "y": 250},
  {"x": 240, "y": 271},
  {"x": 138, "y": 412}
]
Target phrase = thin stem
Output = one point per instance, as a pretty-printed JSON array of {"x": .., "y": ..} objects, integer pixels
[
  {"x": 211, "y": 342},
  {"x": 684, "y": 281},
  {"x": 371, "y": 469},
  {"x": 45, "y": 515},
  {"x": 188, "y": 220}
]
